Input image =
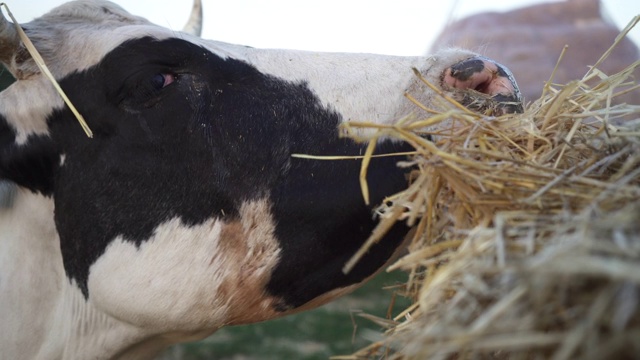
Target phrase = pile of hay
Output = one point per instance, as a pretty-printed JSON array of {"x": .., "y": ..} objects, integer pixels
[{"x": 527, "y": 241}]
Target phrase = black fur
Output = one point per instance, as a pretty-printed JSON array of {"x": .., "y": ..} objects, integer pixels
[
  {"x": 323, "y": 221},
  {"x": 32, "y": 164}
]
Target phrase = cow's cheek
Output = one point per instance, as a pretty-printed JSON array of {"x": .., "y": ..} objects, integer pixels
[
  {"x": 188, "y": 278},
  {"x": 154, "y": 285}
]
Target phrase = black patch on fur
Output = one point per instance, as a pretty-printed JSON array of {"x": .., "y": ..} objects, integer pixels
[
  {"x": 465, "y": 69},
  {"x": 221, "y": 134},
  {"x": 323, "y": 221},
  {"x": 509, "y": 104},
  {"x": 30, "y": 165}
]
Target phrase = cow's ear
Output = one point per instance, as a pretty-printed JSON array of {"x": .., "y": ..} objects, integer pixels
[{"x": 30, "y": 164}]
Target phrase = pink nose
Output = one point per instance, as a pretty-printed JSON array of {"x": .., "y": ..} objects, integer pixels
[{"x": 488, "y": 77}]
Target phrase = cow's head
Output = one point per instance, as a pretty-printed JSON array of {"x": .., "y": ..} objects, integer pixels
[{"x": 186, "y": 209}]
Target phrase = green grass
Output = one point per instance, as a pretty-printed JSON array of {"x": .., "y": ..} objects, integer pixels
[{"x": 334, "y": 329}]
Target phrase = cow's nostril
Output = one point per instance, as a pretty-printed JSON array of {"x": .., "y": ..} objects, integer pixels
[
  {"x": 480, "y": 75},
  {"x": 484, "y": 86}
]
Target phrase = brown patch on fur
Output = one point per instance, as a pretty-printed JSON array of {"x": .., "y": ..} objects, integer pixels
[
  {"x": 254, "y": 250},
  {"x": 251, "y": 250},
  {"x": 22, "y": 56}
]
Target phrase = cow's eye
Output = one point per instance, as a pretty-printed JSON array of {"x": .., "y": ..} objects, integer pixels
[
  {"x": 159, "y": 81},
  {"x": 145, "y": 89}
]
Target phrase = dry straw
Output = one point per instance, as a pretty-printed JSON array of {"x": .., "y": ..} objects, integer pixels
[
  {"x": 37, "y": 58},
  {"x": 527, "y": 242}
]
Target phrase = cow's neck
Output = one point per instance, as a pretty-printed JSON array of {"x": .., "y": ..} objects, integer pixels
[
  {"x": 92, "y": 334},
  {"x": 40, "y": 304},
  {"x": 31, "y": 273}
]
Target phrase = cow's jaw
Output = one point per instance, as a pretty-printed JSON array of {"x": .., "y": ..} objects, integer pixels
[
  {"x": 186, "y": 278},
  {"x": 81, "y": 330}
]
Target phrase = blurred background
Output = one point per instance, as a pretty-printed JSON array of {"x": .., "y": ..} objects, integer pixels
[
  {"x": 398, "y": 27},
  {"x": 528, "y": 41},
  {"x": 526, "y": 35}
]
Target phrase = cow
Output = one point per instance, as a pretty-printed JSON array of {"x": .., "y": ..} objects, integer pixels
[{"x": 187, "y": 211}]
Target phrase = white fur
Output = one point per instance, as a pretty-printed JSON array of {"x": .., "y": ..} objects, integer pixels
[
  {"x": 27, "y": 242},
  {"x": 43, "y": 315},
  {"x": 26, "y": 104},
  {"x": 172, "y": 281},
  {"x": 361, "y": 87},
  {"x": 142, "y": 299}
]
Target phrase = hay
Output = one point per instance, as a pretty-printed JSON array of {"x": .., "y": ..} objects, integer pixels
[{"x": 527, "y": 241}]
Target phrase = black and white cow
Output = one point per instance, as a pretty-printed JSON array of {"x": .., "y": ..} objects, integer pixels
[{"x": 186, "y": 212}]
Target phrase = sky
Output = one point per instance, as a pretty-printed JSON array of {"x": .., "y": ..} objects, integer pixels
[{"x": 394, "y": 27}]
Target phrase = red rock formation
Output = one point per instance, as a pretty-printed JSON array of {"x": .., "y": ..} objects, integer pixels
[{"x": 529, "y": 41}]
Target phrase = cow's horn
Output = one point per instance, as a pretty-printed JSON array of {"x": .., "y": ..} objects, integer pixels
[
  {"x": 9, "y": 40},
  {"x": 194, "y": 25}
]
